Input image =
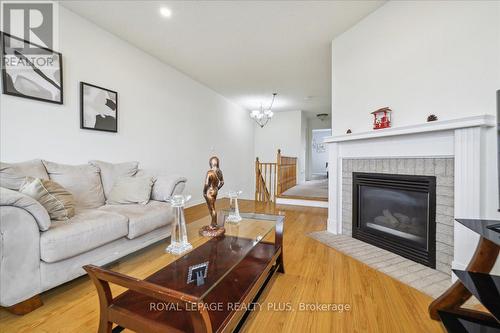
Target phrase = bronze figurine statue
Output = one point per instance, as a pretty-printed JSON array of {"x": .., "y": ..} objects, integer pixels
[{"x": 213, "y": 182}]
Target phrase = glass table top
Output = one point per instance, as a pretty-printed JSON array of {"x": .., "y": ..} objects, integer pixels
[
  {"x": 197, "y": 272},
  {"x": 489, "y": 229}
]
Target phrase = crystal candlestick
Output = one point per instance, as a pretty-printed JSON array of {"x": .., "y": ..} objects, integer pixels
[
  {"x": 178, "y": 240},
  {"x": 234, "y": 215}
]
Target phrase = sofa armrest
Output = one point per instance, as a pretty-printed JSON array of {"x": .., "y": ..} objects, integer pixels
[
  {"x": 20, "y": 277},
  {"x": 27, "y": 203},
  {"x": 166, "y": 186}
]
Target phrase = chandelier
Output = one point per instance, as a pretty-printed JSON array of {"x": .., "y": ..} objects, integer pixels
[{"x": 262, "y": 116}]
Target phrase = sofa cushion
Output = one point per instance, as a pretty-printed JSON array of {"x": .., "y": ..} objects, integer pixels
[
  {"x": 58, "y": 202},
  {"x": 85, "y": 231},
  {"x": 167, "y": 186},
  {"x": 110, "y": 172},
  {"x": 12, "y": 175},
  {"x": 143, "y": 218},
  {"x": 83, "y": 181},
  {"x": 131, "y": 190}
]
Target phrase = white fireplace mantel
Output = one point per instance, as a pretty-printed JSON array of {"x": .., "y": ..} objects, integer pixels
[
  {"x": 433, "y": 126},
  {"x": 461, "y": 139}
]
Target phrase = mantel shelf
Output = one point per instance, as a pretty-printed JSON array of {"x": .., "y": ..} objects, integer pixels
[{"x": 442, "y": 125}]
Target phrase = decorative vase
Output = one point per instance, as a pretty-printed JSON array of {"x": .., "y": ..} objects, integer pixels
[
  {"x": 234, "y": 214},
  {"x": 178, "y": 239}
]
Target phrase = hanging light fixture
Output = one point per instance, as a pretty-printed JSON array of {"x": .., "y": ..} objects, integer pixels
[
  {"x": 262, "y": 116},
  {"x": 322, "y": 116}
]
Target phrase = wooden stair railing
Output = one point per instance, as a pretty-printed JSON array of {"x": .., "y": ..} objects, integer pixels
[
  {"x": 272, "y": 179},
  {"x": 287, "y": 172},
  {"x": 265, "y": 175}
]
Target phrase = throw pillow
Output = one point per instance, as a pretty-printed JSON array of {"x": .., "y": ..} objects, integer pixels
[
  {"x": 83, "y": 181},
  {"x": 131, "y": 190},
  {"x": 58, "y": 202},
  {"x": 12, "y": 175},
  {"x": 166, "y": 186},
  {"x": 110, "y": 172}
]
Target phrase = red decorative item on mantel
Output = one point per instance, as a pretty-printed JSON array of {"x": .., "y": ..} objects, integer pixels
[{"x": 382, "y": 118}]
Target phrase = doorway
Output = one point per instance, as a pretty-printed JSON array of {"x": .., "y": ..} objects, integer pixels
[
  {"x": 315, "y": 186},
  {"x": 319, "y": 154}
]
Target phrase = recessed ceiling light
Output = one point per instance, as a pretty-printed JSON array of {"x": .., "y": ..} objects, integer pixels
[{"x": 165, "y": 12}]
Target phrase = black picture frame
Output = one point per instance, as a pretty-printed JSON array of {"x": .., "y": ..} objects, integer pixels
[
  {"x": 112, "y": 129},
  {"x": 5, "y": 86},
  {"x": 197, "y": 273}
]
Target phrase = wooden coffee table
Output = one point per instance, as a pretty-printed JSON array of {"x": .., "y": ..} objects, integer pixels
[{"x": 238, "y": 266}]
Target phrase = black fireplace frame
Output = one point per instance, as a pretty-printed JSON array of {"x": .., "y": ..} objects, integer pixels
[{"x": 426, "y": 184}]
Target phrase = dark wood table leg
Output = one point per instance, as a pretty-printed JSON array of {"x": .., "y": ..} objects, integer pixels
[{"x": 278, "y": 243}]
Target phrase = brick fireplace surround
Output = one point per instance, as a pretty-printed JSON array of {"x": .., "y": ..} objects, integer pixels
[{"x": 450, "y": 150}]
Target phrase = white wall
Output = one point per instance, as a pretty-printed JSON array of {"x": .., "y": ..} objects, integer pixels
[
  {"x": 422, "y": 57},
  {"x": 418, "y": 57},
  {"x": 167, "y": 121},
  {"x": 286, "y": 132}
]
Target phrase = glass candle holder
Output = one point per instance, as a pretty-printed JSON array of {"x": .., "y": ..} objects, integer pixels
[
  {"x": 178, "y": 239},
  {"x": 234, "y": 214}
]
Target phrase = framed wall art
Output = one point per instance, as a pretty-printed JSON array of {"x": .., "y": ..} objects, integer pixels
[
  {"x": 98, "y": 108},
  {"x": 30, "y": 70}
]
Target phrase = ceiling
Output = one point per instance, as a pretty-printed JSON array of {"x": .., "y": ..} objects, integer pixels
[{"x": 244, "y": 50}]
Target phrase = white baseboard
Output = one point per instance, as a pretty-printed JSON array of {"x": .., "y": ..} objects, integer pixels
[
  {"x": 299, "y": 202},
  {"x": 194, "y": 203},
  {"x": 202, "y": 201}
]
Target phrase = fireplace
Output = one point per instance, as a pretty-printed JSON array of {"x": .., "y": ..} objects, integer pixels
[{"x": 397, "y": 213}]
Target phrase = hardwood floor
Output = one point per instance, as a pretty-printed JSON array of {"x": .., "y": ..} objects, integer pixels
[{"x": 315, "y": 274}]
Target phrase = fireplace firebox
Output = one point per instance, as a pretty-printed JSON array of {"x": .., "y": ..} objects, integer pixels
[{"x": 396, "y": 213}]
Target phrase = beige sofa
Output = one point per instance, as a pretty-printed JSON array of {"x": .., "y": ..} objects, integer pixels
[{"x": 37, "y": 254}]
